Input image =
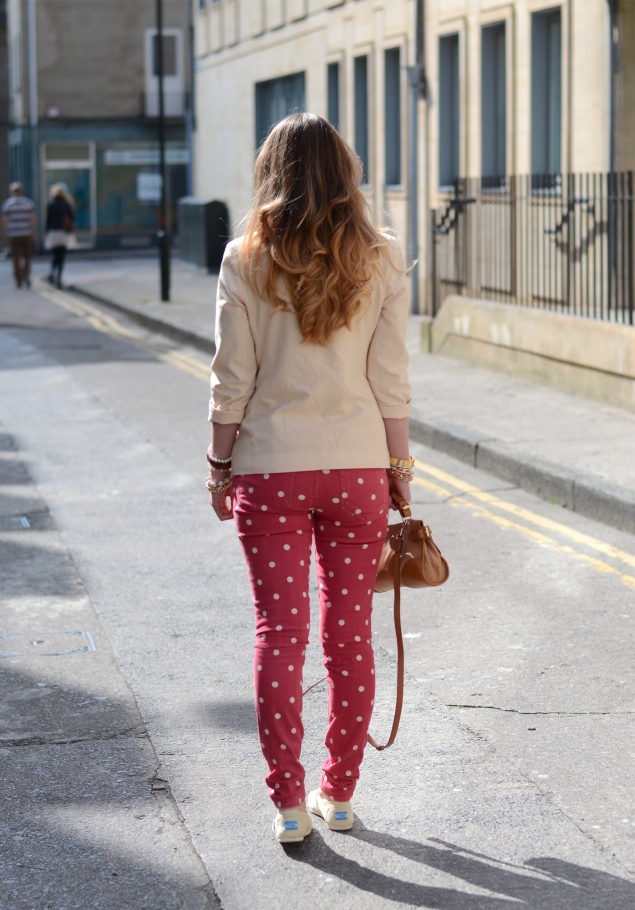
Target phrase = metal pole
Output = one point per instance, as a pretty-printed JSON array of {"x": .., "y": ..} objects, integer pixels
[
  {"x": 33, "y": 105},
  {"x": 163, "y": 235},
  {"x": 417, "y": 83},
  {"x": 189, "y": 108}
]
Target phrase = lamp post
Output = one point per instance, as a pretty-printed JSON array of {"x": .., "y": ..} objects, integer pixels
[{"x": 163, "y": 234}]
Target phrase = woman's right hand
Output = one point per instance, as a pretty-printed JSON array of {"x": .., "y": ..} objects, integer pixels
[{"x": 398, "y": 488}]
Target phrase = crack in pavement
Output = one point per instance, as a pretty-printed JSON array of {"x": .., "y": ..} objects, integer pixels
[
  {"x": 45, "y": 740},
  {"x": 544, "y": 713}
]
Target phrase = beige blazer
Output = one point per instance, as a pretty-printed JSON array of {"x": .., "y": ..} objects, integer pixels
[{"x": 303, "y": 406}]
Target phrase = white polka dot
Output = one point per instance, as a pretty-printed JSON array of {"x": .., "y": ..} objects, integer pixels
[
  {"x": 301, "y": 562},
  {"x": 261, "y": 700},
  {"x": 259, "y": 666},
  {"x": 335, "y": 499},
  {"x": 272, "y": 565},
  {"x": 344, "y": 495},
  {"x": 278, "y": 716},
  {"x": 282, "y": 746},
  {"x": 359, "y": 657},
  {"x": 355, "y": 748},
  {"x": 360, "y": 480},
  {"x": 348, "y": 773},
  {"x": 381, "y": 482},
  {"x": 292, "y": 700},
  {"x": 347, "y": 561},
  {"x": 286, "y": 547},
  {"x": 280, "y": 493},
  {"x": 343, "y": 732},
  {"x": 328, "y": 603},
  {"x": 344, "y": 590},
  {"x": 276, "y": 597},
  {"x": 326, "y": 635},
  {"x": 266, "y": 476},
  {"x": 358, "y": 511},
  {"x": 344, "y": 672},
  {"x": 259, "y": 582},
  {"x": 321, "y": 527},
  {"x": 364, "y": 546},
  {"x": 264, "y": 612},
  {"x": 266, "y": 732},
  {"x": 331, "y": 574},
  {"x": 290, "y": 668},
  {"x": 342, "y": 622},
  {"x": 341, "y": 645},
  {"x": 338, "y": 524},
  {"x": 249, "y": 521},
  {"x": 275, "y": 685},
  {"x": 328, "y": 471},
  {"x": 282, "y": 519},
  {"x": 350, "y": 534},
  {"x": 276, "y": 652},
  {"x": 304, "y": 594},
  {"x": 374, "y": 562},
  {"x": 380, "y": 534},
  {"x": 357, "y": 607},
  {"x": 294, "y": 641},
  {"x": 298, "y": 532},
  {"x": 293, "y": 730},
  {"x": 251, "y": 489},
  {"x": 333, "y": 544},
  {"x": 289, "y": 578},
  {"x": 287, "y": 774},
  {"x": 360, "y": 719},
  {"x": 278, "y": 628},
  {"x": 301, "y": 496},
  {"x": 373, "y": 496},
  {"x": 361, "y": 577},
  {"x": 264, "y": 508},
  {"x": 254, "y": 549},
  {"x": 294, "y": 610},
  {"x": 360, "y": 689}
]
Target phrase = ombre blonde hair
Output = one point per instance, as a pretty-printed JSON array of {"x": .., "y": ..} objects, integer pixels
[{"x": 308, "y": 230}]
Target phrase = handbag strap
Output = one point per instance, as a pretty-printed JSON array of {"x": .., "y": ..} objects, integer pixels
[{"x": 404, "y": 509}]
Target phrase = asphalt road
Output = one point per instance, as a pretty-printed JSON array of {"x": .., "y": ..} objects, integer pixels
[{"x": 130, "y": 768}]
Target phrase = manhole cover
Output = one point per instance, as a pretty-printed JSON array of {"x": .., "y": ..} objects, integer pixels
[{"x": 45, "y": 644}]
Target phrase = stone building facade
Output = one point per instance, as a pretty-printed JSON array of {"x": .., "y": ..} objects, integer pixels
[
  {"x": 519, "y": 87},
  {"x": 83, "y": 109}
]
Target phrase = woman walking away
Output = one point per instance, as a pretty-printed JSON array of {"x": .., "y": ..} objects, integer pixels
[
  {"x": 60, "y": 224},
  {"x": 311, "y": 368}
]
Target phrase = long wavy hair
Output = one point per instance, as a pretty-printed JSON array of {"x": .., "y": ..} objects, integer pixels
[{"x": 308, "y": 230}]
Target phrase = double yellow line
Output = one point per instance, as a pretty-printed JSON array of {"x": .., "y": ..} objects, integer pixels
[
  {"x": 109, "y": 325},
  {"x": 541, "y": 530},
  {"x": 465, "y": 495}
]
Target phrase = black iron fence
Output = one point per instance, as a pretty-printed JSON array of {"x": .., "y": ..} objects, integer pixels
[{"x": 565, "y": 244}]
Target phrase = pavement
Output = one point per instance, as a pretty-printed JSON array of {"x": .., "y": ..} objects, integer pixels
[{"x": 564, "y": 448}]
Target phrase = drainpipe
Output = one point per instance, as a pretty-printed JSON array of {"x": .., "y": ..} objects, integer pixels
[
  {"x": 615, "y": 68},
  {"x": 190, "y": 125},
  {"x": 418, "y": 90},
  {"x": 33, "y": 105}
]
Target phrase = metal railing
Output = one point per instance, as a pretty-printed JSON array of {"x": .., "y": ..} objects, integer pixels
[{"x": 562, "y": 243}]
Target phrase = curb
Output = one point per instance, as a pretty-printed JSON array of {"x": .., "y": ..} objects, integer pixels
[{"x": 584, "y": 493}]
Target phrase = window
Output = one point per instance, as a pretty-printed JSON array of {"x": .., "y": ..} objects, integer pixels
[
  {"x": 449, "y": 133},
  {"x": 392, "y": 109},
  {"x": 170, "y": 65},
  {"x": 493, "y": 104},
  {"x": 275, "y": 99},
  {"x": 333, "y": 93},
  {"x": 361, "y": 112},
  {"x": 546, "y": 92}
]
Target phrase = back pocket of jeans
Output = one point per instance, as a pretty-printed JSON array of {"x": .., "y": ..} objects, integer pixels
[{"x": 364, "y": 493}]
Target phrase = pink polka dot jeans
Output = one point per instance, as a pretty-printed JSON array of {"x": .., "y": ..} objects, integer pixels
[{"x": 279, "y": 517}]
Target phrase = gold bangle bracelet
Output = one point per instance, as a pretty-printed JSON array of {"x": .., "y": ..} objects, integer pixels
[{"x": 402, "y": 462}]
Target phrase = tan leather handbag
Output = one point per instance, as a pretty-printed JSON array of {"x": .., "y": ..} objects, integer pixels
[{"x": 411, "y": 558}]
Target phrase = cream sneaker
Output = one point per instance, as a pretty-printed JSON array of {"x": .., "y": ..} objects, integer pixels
[
  {"x": 338, "y": 816},
  {"x": 291, "y": 826}
]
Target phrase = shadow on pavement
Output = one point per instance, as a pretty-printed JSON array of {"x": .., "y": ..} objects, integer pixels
[
  {"x": 543, "y": 883},
  {"x": 237, "y": 715}
]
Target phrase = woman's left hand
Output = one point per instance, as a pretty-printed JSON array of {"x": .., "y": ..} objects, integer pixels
[{"x": 222, "y": 503}]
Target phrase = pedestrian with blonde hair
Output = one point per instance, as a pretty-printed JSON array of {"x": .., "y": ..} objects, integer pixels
[{"x": 309, "y": 413}]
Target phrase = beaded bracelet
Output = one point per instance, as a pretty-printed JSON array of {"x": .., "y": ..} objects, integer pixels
[
  {"x": 214, "y": 461},
  {"x": 401, "y": 474},
  {"x": 218, "y": 486}
]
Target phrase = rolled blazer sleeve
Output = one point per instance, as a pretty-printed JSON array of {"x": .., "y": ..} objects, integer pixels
[
  {"x": 234, "y": 366},
  {"x": 387, "y": 363}
]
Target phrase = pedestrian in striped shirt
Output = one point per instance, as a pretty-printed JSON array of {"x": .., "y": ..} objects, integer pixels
[{"x": 18, "y": 217}]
